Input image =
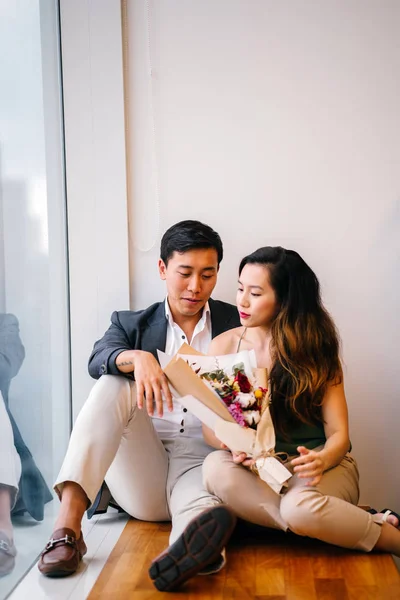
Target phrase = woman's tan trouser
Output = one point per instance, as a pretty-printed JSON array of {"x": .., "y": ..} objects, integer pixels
[
  {"x": 10, "y": 463},
  {"x": 327, "y": 511},
  {"x": 113, "y": 440}
]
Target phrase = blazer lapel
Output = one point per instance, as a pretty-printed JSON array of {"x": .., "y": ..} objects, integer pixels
[
  {"x": 154, "y": 331},
  {"x": 221, "y": 318}
]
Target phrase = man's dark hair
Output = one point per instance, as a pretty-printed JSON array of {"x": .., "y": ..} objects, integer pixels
[{"x": 189, "y": 235}]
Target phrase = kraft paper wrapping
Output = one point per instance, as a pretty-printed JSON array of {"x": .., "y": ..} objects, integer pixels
[{"x": 186, "y": 383}]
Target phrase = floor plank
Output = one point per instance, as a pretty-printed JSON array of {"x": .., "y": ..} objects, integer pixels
[{"x": 262, "y": 565}]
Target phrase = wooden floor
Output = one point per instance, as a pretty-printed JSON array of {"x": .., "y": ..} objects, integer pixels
[{"x": 261, "y": 565}]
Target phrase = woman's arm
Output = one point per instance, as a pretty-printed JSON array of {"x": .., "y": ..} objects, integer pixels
[
  {"x": 335, "y": 415},
  {"x": 226, "y": 343},
  {"x": 217, "y": 347},
  {"x": 210, "y": 438},
  {"x": 240, "y": 458},
  {"x": 310, "y": 464}
]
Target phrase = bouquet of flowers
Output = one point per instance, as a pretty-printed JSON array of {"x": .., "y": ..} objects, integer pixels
[{"x": 243, "y": 399}]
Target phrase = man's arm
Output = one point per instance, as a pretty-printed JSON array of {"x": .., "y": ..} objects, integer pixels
[
  {"x": 151, "y": 382},
  {"x": 106, "y": 350},
  {"x": 115, "y": 354}
]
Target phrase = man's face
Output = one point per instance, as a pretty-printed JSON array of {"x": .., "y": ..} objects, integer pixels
[{"x": 190, "y": 277}]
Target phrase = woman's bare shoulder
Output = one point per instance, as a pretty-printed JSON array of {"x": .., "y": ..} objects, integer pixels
[{"x": 226, "y": 343}]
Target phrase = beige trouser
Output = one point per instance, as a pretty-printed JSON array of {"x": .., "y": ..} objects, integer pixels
[
  {"x": 151, "y": 480},
  {"x": 10, "y": 463},
  {"x": 327, "y": 511}
]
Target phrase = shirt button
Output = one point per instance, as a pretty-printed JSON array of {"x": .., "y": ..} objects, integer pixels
[
  {"x": 183, "y": 337},
  {"x": 181, "y": 430},
  {"x": 185, "y": 410}
]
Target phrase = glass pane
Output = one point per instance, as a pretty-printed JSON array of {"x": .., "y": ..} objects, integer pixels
[{"x": 34, "y": 338}]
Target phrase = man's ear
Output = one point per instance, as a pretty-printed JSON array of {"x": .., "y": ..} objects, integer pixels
[{"x": 162, "y": 268}]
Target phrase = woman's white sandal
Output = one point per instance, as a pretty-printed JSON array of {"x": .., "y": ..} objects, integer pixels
[{"x": 387, "y": 513}]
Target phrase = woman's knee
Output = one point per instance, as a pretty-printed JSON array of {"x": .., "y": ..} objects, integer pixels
[{"x": 302, "y": 510}]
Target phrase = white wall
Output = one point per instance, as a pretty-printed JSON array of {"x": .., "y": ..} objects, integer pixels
[
  {"x": 279, "y": 123},
  {"x": 96, "y": 176}
]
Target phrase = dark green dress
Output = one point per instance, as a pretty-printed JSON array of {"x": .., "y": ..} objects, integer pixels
[{"x": 301, "y": 434}]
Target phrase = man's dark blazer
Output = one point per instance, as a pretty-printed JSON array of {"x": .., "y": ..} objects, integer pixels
[
  {"x": 144, "y": 330},
  {"x": 33, "y": 492},
  {"x": 147, "y": 330}
]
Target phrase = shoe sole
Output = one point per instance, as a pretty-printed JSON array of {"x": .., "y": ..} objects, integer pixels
[
  {"x": 59, "y": 573},
  {"x": 198, "y": 546}
]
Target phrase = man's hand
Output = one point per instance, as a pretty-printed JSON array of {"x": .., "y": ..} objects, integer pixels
[
  {"x": 309, "y": 465},
  {"x": 151, "y": 383}
]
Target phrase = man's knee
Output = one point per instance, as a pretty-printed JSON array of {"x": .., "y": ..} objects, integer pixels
[
  {"x": 114, "y": 383},
  {"x": 217, "y": 476},
  {"x": 301, "y": 510},
  {"x": 113, "y": 388}
]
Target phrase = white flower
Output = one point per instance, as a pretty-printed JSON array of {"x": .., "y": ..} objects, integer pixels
[
  {"x": 245, "y": 400},
  {"x": 252, "y": 417},
  {"x": 216, "y": 384}
]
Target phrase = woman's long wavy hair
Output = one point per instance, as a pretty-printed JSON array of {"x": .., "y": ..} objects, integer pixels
[{"x": 305, "y": 343}]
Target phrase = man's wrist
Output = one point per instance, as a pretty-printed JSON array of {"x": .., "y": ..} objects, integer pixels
[{"x": 125, "y": 361}]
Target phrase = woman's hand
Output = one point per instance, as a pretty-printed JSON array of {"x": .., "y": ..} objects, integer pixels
[
  {"x": 309, "y": 465},
  {"x": 240, "y": 458}
]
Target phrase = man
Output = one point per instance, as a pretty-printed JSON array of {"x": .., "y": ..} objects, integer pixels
[{"x": 151, "y": 461}]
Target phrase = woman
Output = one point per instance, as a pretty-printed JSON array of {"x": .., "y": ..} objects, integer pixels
[{"x": 293, "y": 336}]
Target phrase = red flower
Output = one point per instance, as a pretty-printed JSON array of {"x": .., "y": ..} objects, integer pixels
[
  {"x": 243, "y": 382},
  {"x": 228, "y": 398}
]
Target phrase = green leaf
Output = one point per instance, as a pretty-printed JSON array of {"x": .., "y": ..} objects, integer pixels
[{"x": 237, "y": 368}]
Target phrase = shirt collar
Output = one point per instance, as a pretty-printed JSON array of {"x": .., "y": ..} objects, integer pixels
[{"x": 205, "y": 317}]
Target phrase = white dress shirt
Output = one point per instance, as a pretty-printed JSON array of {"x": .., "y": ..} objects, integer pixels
[{"x": 180, "y": 422}]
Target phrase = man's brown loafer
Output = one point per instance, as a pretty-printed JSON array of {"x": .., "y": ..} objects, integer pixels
[
  {"x": 8, "y": 553},
  {"x": 62, "y": 554}
]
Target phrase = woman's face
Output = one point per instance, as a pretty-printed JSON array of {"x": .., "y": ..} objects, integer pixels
[{"x": 255, "y": 297}]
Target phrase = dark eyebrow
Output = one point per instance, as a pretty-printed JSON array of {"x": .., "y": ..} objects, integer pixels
[
  {"x": 258, "y": 287},
  {"x": 191, "y": 268}
]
